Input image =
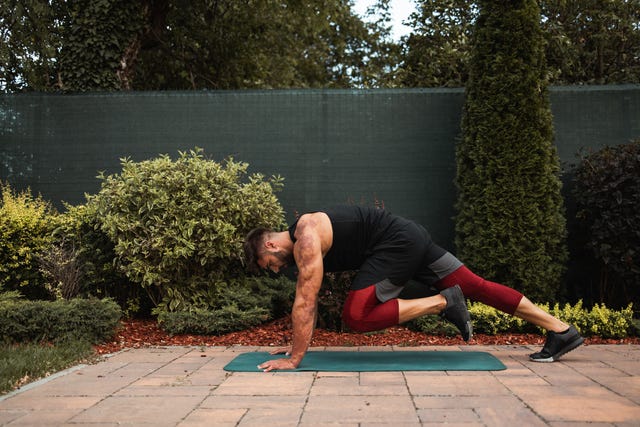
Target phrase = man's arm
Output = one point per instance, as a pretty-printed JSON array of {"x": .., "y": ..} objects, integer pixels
[{"x": 308, "y": 253}]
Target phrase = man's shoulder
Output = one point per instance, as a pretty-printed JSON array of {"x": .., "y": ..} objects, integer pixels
[{"x": 311, "y": 219}]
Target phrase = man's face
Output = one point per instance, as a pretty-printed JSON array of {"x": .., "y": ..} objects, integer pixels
[{"x": 275, "y": 260}]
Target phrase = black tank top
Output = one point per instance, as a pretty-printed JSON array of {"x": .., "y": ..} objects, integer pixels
[{"x": 356, "y": 230}]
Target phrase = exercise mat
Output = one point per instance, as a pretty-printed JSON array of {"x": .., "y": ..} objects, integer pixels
[{"x": 369, "y": 361}]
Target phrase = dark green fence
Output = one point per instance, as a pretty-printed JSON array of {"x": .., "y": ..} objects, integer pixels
[{"x": 332, "y": 146}]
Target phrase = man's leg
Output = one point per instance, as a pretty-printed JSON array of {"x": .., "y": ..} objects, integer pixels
[
  {"x": 364, "y": 312},
  {"x": 501, "y": 297},
  {"x": 561, "y": 337}
]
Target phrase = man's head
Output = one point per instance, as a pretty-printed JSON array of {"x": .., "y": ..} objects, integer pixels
[{"x": 263, "y": 250}]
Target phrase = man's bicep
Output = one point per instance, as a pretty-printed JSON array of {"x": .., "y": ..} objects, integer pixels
[{"x": 308, "y": 255}]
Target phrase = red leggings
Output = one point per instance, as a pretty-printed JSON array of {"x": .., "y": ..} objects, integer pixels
[{"x": 363, "y": 312}]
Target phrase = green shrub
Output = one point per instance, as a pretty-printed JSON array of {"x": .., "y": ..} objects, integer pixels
[
  {"x": 243, "y": 304},
  {"x": 607, "y": 192},
  {"x": 214, "y": 322},
  {"x": 33, "y": 321},
  {"x": 25, "y": 233},
  {"x": 433, "y": 325},
  {"x": 178, "y": 226}
]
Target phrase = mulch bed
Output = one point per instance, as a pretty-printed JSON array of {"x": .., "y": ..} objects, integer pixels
[{"x": 147, "y": 333}]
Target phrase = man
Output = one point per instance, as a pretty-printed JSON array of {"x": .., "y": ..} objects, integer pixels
[{"x": 387, "y": 251}]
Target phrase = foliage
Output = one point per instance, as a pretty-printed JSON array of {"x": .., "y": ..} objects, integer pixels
[
  {"x": 593, "y": 42},
  {"x": 586, "y": 42},
  {"x": 607, "y": 193},
  {"x": 82, "y": 245},
  {"x": 214, "y": 322},
  {"x": 436, "y": 53},
  {"x": 490, "y": 321},
  {"x": 24, "y": 363},
  {"x": 434, "y": 325},
  {"x": 178, "y": 226},
  {"x": 30, "y": 44},
  {"x": 242, "y": 305},
  {"x": 597, "y": 321},
  {"x": 510, "y": 224},
  {"x": 172, "y": 44},
  {"x": 331, "y": 298},
  {"x": 98, "y": 41},
  {"x": 25, "y": 233},
  {"x": 34, "y": 321}
]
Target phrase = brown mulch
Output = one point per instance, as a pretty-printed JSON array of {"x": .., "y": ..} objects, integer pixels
[{"x": 147, "y": 333}]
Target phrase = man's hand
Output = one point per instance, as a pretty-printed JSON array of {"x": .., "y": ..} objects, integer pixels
[{"x": 277, "y": 364}]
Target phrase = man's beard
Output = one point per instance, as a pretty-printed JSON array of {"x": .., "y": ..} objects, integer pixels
[{"x": 286, "y": 258}]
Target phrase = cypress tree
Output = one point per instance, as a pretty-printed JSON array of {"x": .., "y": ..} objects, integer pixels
[{"x": 510, "y": 224}]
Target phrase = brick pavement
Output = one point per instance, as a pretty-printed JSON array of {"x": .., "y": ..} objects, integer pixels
[{"x": 186, "y": 387}]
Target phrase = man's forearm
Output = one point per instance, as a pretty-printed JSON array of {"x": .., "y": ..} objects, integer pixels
[{"x": 303, "y": 319}]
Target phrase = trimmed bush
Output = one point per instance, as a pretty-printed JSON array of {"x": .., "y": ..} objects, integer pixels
[
  {"x": 607, "y": 193},
  {"x": 250, "y": 303},
  {"x": 178, "y": 226},
  {"x": 510, "y": 225},
  {"x": 33, "y": 321},
  {"x": 26, "y": 223},
  {"x": 216, "y": 322}
]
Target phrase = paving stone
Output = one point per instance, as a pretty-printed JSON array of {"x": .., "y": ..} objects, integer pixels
[
  {"x": 359, "y": 409},
  {"x": 158, "y": 410},
  {"x": 261, "y": 383}
]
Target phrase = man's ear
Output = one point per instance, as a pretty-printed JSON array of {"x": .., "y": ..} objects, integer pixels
[{"x": 269, "y": 244}]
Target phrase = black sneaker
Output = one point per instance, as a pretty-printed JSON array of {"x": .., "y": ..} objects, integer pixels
[
  {"x": 456, "y": 311},
  {"x": 558, "y": 344}
]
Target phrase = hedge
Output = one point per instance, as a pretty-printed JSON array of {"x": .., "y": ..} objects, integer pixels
[{"x": 92, "y": 320}]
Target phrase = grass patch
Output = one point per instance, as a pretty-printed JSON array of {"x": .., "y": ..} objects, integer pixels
[{"x": 24, "y": 363}]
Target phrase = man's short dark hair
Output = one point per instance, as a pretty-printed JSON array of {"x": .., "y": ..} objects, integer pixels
[{"x": 254, "y": 248}]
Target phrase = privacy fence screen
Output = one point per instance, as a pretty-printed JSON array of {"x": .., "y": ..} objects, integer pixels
[{"x": 395, "y": 147}]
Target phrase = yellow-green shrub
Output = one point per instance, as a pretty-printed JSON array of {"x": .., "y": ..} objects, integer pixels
[
  {"x": 600, "y": 320},
  {"x": 488, "y": 320},
  {"x": 26, "y": 223}
]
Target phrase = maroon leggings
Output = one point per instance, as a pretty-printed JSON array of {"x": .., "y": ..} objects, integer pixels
[{"x": 363, "y": 311}]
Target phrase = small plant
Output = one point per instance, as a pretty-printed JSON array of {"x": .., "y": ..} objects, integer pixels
[
  {"x": 83, "y": 245},
  {"x": 60, "y": 265}
]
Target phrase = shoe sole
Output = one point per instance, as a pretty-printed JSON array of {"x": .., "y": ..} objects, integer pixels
[
  {"x": 569, "y": 347},
  {"x": 468, "y": 323},
  {"x": 470, "y": 329}
]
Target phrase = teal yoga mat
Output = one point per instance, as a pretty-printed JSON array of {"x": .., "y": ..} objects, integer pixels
[{"x": 367, "y": 361}]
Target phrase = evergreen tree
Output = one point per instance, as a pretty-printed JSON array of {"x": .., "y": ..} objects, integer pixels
[{"x": 510, "y": 224}]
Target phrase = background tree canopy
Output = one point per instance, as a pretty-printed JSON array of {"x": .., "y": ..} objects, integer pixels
[
  {"x": 180, "y": 45},
  {"x": 587, "y": 42},
  {"x": 56, "y": 45}
]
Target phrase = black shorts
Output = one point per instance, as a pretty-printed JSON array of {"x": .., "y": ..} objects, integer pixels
[{"x": 406, "y": 253}]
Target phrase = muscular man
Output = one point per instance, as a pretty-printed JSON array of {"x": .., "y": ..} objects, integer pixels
[{"x": 387, "y": 251}]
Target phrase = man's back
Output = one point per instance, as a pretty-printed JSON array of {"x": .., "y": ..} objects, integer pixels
[{"x": 356, "y": 230}]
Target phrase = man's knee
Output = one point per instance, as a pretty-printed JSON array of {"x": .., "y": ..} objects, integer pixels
[
  {"x": 376, "y": 316},
  {"x": 357, "y": 322}
]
